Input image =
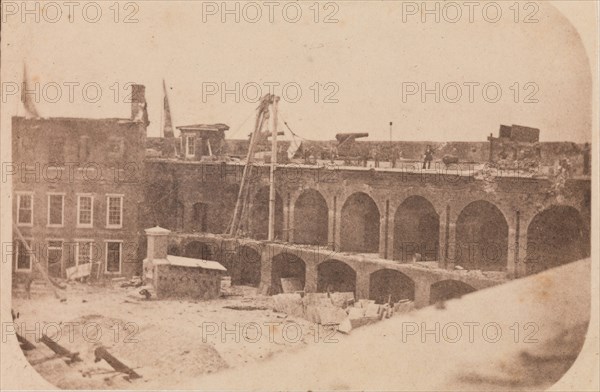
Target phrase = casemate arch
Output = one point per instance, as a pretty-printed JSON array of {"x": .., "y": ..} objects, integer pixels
[
  {"x": 556, "y": 236},
  {"x": 482, "y": 237},
  {"x": 360, "y": 224},
  {"x": 311, "y": 219}
]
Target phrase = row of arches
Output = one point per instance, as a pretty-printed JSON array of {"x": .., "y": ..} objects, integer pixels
[
  {"x": 332, "y": 275},
  {"x": 555, "y": 236}
]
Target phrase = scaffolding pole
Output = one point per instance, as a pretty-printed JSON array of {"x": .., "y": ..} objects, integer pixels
[
  {"x": 272, "y": 194},
  {"x": 262, "y": 111}
]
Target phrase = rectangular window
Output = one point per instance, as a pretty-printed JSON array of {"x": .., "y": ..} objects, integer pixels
[
  {"x": 84, "y": 252},
  {"x": 113, "y": 257},
  {"x": 25, "y": 210},
  {"x": 85, "y": 211},
  {"x": 55, "y": 253},
  {"x": 56, "y": 204},
  {"x": 190, "y": 150},
  {"x": 114, "y": 211},
  {"x": 23, "y": 256}
]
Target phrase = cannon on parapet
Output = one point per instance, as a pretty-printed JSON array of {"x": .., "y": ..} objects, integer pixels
[{"x": 349, "y": 137}]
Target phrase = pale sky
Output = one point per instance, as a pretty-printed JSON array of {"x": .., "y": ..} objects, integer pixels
[{"x": 365, "y": 60}]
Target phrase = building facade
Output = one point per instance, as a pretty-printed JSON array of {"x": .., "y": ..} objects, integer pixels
[
  {"x": 76, "y": 184},
  {"x": 508, "y": 224},
  {"x": 85, "y": 189}
]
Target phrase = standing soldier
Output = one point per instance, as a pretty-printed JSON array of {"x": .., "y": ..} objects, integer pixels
[
  {"x": 332, "y": 154},
  {"x": 375, "y": 156},
  {"x": 428, "y": 157}
]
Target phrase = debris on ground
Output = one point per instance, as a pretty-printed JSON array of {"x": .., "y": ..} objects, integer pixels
[
  {"x": 81, "y": 271},
  {"x": 404, "y": 306},
  {"x": 338, "y": 309},
  {"x": 144, "y": 293},
  {"x": 25, "y": 344},
  {"x": 102, "y": 353},
  {"x": 245, "y": 307},
  {"x": 136, "y": 281},
  {"x": 60, "y": 350},
  {"x": 132, "y": 334},
  {"x": 147, "y": 295},
  {"x": 291, "y": 285}
]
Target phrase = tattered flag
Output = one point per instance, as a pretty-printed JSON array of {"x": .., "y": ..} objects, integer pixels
[
  {"x": 27, "y": 96},
  {"x": 167, "y": 124}
]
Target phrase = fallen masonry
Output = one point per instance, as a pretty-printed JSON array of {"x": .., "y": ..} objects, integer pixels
[{"x": 339, "y": 310}]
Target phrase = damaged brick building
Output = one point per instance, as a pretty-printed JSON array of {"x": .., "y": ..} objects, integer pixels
[
  {"x": 77, "y": 191},
  {"x": 344, "y": 228}
]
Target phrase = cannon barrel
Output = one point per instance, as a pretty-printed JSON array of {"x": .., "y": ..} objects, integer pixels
[{"x": 342, "y": 137}]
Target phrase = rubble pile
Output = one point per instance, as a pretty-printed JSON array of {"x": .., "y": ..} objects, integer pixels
[{"x": 339, "y": 310}]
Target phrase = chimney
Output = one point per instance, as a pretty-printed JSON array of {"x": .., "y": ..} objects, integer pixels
[{"x": 139, "y": 110}]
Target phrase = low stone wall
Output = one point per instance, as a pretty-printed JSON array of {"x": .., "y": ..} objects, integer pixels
[{"x": 176, "y": 281}]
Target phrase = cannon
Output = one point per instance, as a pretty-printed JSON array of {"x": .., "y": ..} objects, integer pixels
[{"x": 349, "y": 137}]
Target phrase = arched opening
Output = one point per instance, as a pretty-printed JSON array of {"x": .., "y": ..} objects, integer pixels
[
  {"x": 389, "y": 284},
  {"x": 556, "y": 236},
  {"x": 360, "y": 224},
  {"x": 311, "y": 217},
  {"x": 448, "y": 289},
  {"x": 259, "y": 215},
  {"x": 482, "y": 237},
  {"x": 335, "y": 276},
  {"x": 287, "y": 266},
  {"x": 200, "y": 217},
  {"x": 247, "y": 270},
  {"x": 201, "y": 250},
  {"x": 416, "y": 230}
]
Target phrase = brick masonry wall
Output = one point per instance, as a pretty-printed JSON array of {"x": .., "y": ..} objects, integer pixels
[
  {"x": 112, "y": 164},
  {"x": 176, "y": 281}
]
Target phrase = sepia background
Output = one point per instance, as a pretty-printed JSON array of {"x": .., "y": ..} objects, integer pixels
[{"x": 368, "y": 54}]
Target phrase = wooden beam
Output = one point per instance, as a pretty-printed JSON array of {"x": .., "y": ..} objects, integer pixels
[
  {"x": 26, "y": 345},
  {"x": 36, "y": 262},
  {"x": 60, "y": 350},
  {"x": 101, "y": 353}
]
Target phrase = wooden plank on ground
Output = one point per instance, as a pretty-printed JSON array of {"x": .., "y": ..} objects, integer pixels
[
  {"x": 101, "y": 353},
  {"x": 60, "y": 350},
  {"x": 79, "y": 271}
]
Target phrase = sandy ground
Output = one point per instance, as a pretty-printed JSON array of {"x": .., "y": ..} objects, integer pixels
[
  {"x": 539, "y": 324},
  {"x": 527, "y": 334},
  {"x": 167, "y": 342}
]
